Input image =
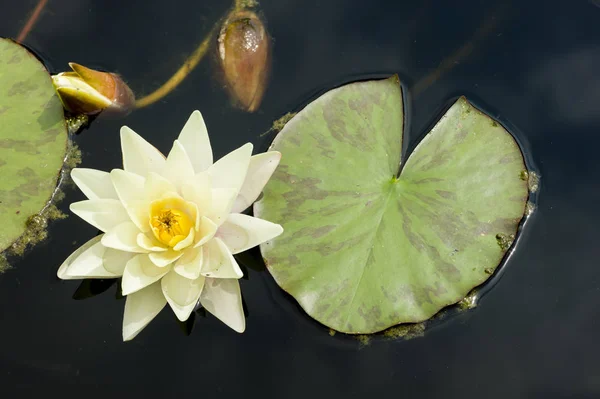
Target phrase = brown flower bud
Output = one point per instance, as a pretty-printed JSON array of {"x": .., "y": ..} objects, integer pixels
[{"x": 244, "y": 56}]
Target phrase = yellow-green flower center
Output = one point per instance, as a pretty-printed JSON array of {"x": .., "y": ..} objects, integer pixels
[{"x": 169, "y": 224}]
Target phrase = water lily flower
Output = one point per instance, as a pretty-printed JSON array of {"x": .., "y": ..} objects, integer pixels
[
  {"x": 87, "y": 91},
  {"x": 172, "y": 225}
]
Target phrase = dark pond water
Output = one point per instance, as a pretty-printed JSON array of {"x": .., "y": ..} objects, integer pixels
[{"x": 535, "y": 65}]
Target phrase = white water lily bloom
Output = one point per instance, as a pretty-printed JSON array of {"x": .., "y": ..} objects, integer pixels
[{"x": 172, "y": 225}]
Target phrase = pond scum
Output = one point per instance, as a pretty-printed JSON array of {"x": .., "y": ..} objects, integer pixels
[
  {"x": 402, "y": 331},
  {"x": 416, "y": 330}
]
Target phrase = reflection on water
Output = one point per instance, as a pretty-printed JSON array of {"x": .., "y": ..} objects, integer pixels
[
  {"x": 532, "y": 336},
  {"x": 574, "y": 98}
]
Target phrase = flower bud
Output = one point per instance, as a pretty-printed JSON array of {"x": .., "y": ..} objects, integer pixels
[
  {"x": 244, "y": 57},
  {"x": 86, "y": 91}
]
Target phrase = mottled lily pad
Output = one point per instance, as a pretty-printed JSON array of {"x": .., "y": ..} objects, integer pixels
[
  {"x": 33, "y": 139},
  {"x": 363, "y": 249}
]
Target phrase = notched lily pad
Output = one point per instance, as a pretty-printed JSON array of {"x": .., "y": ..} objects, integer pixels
[
  {"x": 33, "y": 140},
  {"x": 364, "y": 248}
]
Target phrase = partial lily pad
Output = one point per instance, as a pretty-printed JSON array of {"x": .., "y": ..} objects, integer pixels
[
  {"x": 363, "y": 249},
  {"x": 33, "y": 139}
]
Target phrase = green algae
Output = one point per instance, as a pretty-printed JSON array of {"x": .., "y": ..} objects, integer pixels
[
  {"x": 279, "y": 124},
  {"x": 470, "y": 301},
  {"x": 405, "y": 331},
  {"x": 533, "y": 182}
]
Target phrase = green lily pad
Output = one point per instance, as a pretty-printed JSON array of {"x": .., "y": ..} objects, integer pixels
[
  {"x": 33, "y": 139},
  {"x": 364, "y": 250}
]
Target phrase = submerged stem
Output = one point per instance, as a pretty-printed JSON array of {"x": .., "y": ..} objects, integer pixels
[
  {"x": 31, "y": 21},
  {"x": 482, "y": 32}
]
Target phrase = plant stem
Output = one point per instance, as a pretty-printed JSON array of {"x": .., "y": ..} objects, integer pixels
[
  {"x": 31, "y": 21},
  {"x": 190, "y": 63}
]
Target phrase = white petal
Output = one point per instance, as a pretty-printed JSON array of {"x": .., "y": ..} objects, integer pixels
[
  {"x": 78, "y": 256},
  {"x": 178, "y": 168},
  {"x": 130, "y": 189},
  {"x": 230, "y": 171},
  {"x": 198, "y": 216},
  {"x": 90, "y": 264},
  {"x": 139, "y": 273},
  {"x": 141, "y": 307},
  {"x": 156, "y": 186},
  {"x": 194, "y": 138},
  {"x": 182, "y": 294},
  {"x": 162, "y": 259},
  {"x": 260, "y": 170},
  {"x": 206, "y": 232},
  {"x": 139, "y": 156},
  {"x": 149, "y": 243},
  {"x": 61, "y": 272},
  {"x": 115, "y": 261},
  {"x": 198, "y": 190},
  {"x": 222, "y": 298},
  {"x": 104, "y": 214},
  {"x": 190, "y": 264},
  {"x": 211, "y": 256},
  {"x": 95, "y": 184},
  {"x": 186, "y": 242},
  {"x": 219, "y": 262},
  {"x": 222, "y": 202},
  {"x": 241, "y": 232},
  {"x": 124, "y": 238}
]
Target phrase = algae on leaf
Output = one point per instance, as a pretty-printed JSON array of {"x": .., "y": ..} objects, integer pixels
[
  {"x": 365, "y": 249},
  {"x": 33, "y": 139}
]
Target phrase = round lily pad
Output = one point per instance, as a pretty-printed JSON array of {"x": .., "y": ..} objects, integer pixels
[
  {"x": 366, "y": 247},
  {"x": 33, "y": 139}
]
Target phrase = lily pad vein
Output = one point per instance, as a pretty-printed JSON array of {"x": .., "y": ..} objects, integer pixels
[{"x": 370, "y": 250}]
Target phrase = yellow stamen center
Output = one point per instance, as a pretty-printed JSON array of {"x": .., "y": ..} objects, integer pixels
[{"x": 169, "y": 225}]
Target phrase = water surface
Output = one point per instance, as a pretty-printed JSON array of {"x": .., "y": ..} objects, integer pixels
[{"x": 533, "y": 65}]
